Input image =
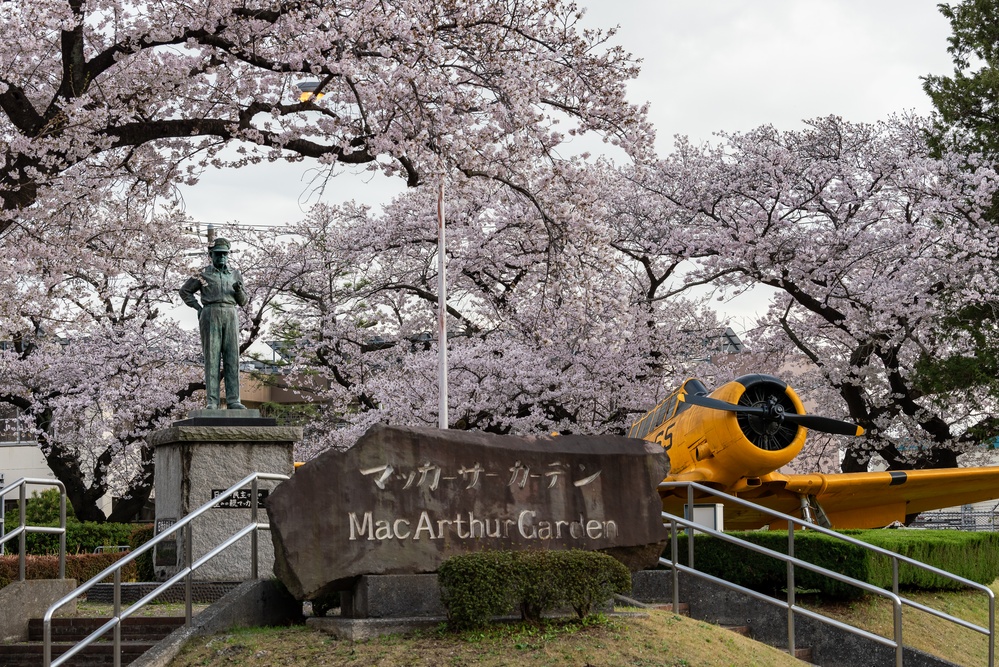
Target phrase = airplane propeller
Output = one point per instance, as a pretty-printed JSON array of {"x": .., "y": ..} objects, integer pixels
[{"x": 772, "y": 411}]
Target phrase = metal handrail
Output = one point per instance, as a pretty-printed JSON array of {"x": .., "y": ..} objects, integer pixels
[
  {"x": 791, "y": 561},
  {"x": 184, "y": 573},
  {"x": 22, "y": 530}
]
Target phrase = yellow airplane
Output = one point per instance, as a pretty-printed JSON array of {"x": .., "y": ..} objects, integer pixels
[{"x": 735, "y": 438}]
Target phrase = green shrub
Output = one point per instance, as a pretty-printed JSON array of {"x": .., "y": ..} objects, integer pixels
[
  {"x": 537, "y": 582},
  {"x": 588, "y": 578},
  {"x": 973, "y": 556},
  {"x": 144, "y": 562},
  {"x": 42, "y": 509},
  {"x": 81, "y": 567},
  {"x": 81, "y": 537},
  {"x": 477, "y": 586},
  {"x": 763, "y": 573}
]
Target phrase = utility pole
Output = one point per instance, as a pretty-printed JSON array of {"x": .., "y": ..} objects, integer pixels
[
  {"x": 442, "y": 420},
  {"x": 3, "y": 518}
]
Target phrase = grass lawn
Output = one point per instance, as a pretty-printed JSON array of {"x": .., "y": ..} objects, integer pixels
[{"x": 656, "y": 639}]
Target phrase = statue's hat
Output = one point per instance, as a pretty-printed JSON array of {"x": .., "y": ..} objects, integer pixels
[{"x": 219, "y": 245}]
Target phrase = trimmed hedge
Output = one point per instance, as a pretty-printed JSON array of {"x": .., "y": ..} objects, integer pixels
[
  {"x": 973, "y": 556},
  {"x": 42, "y": 509},
  {"x": 81, "y": 537},
  {"x": 478, "y": 586},
  {"x": 81, "y": 567}
]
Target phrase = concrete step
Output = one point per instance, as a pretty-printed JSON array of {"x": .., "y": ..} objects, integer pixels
[
  {"x": 138, "y": 635},
  {"x": 68, "y": 629},
  {"x": 804, "y": 654},
  {"x": 29, "y": 654}
]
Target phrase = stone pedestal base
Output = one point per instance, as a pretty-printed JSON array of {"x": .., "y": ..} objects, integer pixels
[
  {"x": 194, "y": 464},
  {"x": 393, "y": 596}
]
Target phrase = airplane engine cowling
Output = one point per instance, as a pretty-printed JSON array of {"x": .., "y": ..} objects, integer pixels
[
  {"x": 768, "y": 434},
  {"x": 755, "y": 445}
]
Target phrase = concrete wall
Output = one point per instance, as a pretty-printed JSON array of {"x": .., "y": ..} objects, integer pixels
[
  {"x": 31, "y": 599},
  {"x": 22, "y": 459}
]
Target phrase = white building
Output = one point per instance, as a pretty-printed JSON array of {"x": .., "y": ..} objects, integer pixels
[{"x": 19, "y": 453}]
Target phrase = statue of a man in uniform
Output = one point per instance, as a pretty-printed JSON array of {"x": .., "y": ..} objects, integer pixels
[{"x": 221, "y": 292}]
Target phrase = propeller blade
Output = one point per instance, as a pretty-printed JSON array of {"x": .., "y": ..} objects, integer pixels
[
  {"x": 715, "y": 404},
  {"x": 814, "y": 422},
  {"x": 824, "y": 424}
]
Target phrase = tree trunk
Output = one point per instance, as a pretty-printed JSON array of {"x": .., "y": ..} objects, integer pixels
[{"x": 127, "y": 509}]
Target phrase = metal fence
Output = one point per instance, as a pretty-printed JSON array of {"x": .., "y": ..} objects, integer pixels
[{"x": 967, "y": 518}]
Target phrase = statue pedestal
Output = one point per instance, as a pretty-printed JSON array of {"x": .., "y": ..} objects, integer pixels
[{"x": 198, "y": 458}]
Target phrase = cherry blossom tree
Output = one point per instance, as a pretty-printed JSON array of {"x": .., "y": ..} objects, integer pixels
[
  {"x": 92, "y": 365},
  {"x": 89, "y": 402},
  {"x": 106, "y": 106},
  {"x": 869, "y": 243},
  {"x": 156, "y": 92},
  {"x": 545, "y": 332}
]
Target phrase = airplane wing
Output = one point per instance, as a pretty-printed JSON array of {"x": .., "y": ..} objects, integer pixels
[{"x": 859, "y": 500}]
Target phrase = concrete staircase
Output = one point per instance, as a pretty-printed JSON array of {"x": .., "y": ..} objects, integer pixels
[
  {"x": 153, "y": 641},
  {"x": 138, "y": 635},
  {"x": 816, "y": 642},
  {"x": 803, "y": 654}
]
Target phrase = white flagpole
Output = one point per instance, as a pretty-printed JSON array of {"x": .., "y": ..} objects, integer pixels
[{"x": 441, "y": 315}]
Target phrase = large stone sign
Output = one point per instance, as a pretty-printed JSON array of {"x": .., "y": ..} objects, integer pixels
[{"x": 402, "y": 500}]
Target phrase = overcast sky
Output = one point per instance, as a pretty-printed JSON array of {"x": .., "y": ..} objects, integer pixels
[
  {"x": 714, "y": 65},
  {"x": 708, "y": 65}
]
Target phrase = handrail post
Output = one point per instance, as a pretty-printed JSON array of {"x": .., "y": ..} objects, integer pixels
[
  {"x": 182, "y": 530},
  {"x": 188, "y": 563},
  {"x": 117, "y": 614},
  {"x": 898, "y": 632},
  {"x": 992, "y": 630},
  {"x": 790, "y": 590},
  {"x": 687, "y": 524},
  {"x": 47, "y": 642},
  {"x": 62, "y": 535},
  {"x": 690, "y": 531},
  {"x": 22, "y": 543},
  {"x": 675, "y": 548},
  {"x": 253, "y": 535}
]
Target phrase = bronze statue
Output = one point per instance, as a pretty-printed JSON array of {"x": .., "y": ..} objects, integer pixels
[{"x": 221, "y": 291}]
